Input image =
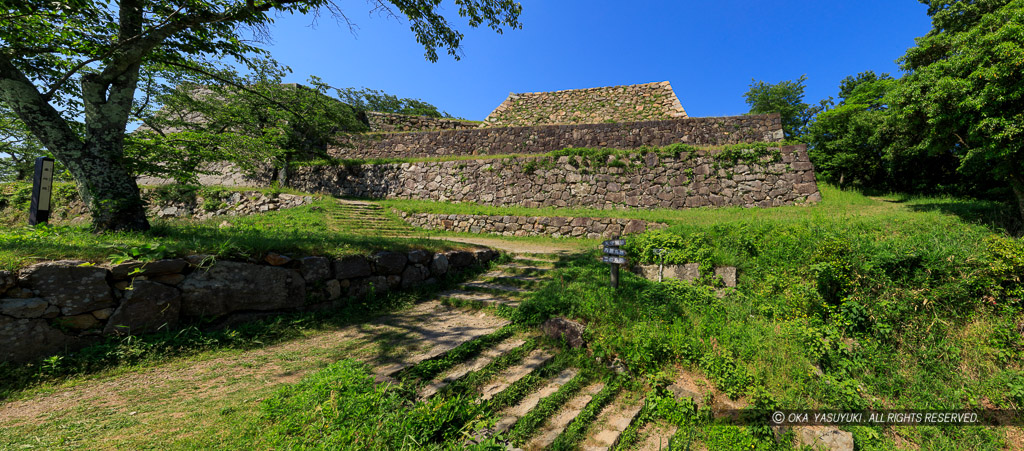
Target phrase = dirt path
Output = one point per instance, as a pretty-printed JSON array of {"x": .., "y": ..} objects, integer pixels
[{"x": 193, "y": 398}]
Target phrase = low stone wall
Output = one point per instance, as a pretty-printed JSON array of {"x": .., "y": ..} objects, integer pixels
[
  {"x": 553, "y": 226},
  {"x": 55, "y": 306},
  {"x": 641, "y": 181},
  {"x": 644, "y": 102},
  {"x": 237, "y": 203},
  {"x": 547, "y": 138}
]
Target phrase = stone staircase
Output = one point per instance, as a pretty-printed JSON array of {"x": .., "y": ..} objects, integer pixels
[
  {"x": 366, "y": 217},
  {"x": 539, "y": 400}
]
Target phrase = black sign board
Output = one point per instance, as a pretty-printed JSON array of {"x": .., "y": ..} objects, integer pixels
[
  {"x": 614, "y": 251},
  {"x": 614, "y": 260},
  {"x": 42, "y": 187},
  {"x": 614, "y": 243}
]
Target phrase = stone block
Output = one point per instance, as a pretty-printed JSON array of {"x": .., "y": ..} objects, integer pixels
[
  {"x": 565, "y": 329},
  {"x": 75, "y": 289},
  {"x": 24, "y": 308},
  {"x": 231, "y": 286},
  {"x": 728, "y": 275},
  {"x": 148, "y": 307},
  {"x": 25, "y": 339},
  {"x": 351, "y": 266},
  {"x": 388, "y": 263},
  {"x": 315, "y": 269}
]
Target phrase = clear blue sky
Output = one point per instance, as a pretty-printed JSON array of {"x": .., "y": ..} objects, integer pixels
[{"x": 709, "y": 49}]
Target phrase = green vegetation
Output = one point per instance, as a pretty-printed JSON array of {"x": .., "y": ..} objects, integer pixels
[
  {"x": 880, "y": 306},
  {"x": 306, "y": 230}
]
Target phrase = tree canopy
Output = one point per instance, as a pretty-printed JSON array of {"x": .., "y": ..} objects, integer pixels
[
  {"x": 786, "y": 98},
  {"x": 70, "y": 71}
]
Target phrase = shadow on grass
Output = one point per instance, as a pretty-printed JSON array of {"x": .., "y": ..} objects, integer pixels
[
  {"x": 998, "y": 216},
  {"x": 198, "y": 337}
]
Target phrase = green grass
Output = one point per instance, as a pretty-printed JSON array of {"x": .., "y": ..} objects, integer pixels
[
  {"x": 301, "y": 231},
  {"x": 897, "y": 306}
]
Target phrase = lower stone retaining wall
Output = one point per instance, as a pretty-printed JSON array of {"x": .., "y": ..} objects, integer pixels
[
  {"x": 553, "y": 226},
  {"x": 55, "y": 306},
  {"x": 639, "y": 180}
]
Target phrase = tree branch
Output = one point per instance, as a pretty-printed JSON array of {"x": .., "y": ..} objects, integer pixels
[{"x": 45, "y": 122}]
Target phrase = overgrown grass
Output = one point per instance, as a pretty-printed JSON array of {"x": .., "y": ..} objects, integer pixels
[
  {"x": 857, "y": 303},
  {"x": 340, "y": 407},
  {"x": 300, "y": 231}
]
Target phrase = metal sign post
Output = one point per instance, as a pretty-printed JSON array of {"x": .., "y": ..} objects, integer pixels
[
  {"x": 661, "y": 263},
  {"x": 42, "y": 190},
  {"x": 615, "y": 257}
]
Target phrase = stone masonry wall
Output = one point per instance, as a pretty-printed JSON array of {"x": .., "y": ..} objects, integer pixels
[
  {"x": 642, "y": 181},
  {"x": 553, "y": 226},
  {"x": 646, "y": 102},
  {"x": 390, "y": 122},
  {"x": 55, "y": 306},
  {"x": 547, "y": 138}
]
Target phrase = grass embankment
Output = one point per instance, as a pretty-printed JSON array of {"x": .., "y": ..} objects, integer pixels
[
  {"x": 307, "y": 230},
  {"x": 856, "y": 303}
]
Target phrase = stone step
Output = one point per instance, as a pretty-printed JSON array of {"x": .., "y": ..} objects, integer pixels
[
  {"x": 531, "y": 363},
  {"x": 500, "y": 275},
  {"x": 510, "y": 416},
  {"x": 476, "y": 364},
  {"x": 527, "y": 268},
  {"x": 556, "y": 424},
  {"x": 493, "y": 287},
  {"x": 612, "y": 421},
  {"x": 434, "y": 329},
  {"x": 481, "y": 297}
]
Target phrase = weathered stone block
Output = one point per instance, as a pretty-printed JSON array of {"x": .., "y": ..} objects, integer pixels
[
  {"x": 315, "y": 269},
  {"x": 7, "y": 280},
  {"x": 230, "y": 287},
  {"x": 439, "y": 265},
  {"x": 148, "y": 307},
  {"x": 24, "y": 308},
  {"x": 26, "y": 339},
  {"x": 351, "y": 266},
  {"x": 75, "y": 289},
  {"x": 565, "y": 329},
  {"x": 389, "y": 263}
]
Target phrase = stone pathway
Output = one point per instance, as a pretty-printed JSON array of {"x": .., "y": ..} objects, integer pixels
[{"x": 393, "y": 345}]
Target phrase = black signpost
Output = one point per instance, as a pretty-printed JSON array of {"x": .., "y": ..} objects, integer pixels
[
  {"x": 42, "y": 190},
  {"x": 615, "y": 257}
]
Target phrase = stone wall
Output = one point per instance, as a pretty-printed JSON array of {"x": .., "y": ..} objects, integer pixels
[
  {"x": 391, "y": 122},
  {"x": 553, "y": 226},
  {"x": 547, "y": 138},
  {"x": 646, "y": 102},
  {"x": 641, "y": 181},
  {"x": 55, "y": 306}
]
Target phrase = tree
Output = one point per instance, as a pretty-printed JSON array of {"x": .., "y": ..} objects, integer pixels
[
  {"x": 373, "y": 100},
  {"x": 246, "y": 120},
  {"x": 787, "y": 99},
  {"x": 964, "y": 86},
  {"x": 847, "y": 143},
  {"x": 80, "y": 61}
]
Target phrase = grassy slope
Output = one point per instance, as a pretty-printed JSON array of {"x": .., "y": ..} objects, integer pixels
[
  {"x": 306, "y": 230},
  {"x": 855, "y": 303}
]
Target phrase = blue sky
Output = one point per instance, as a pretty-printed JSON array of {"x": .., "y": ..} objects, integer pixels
[{"x": 709, "y": 49}]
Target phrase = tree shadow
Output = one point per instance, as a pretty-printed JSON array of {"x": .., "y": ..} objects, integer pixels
[{"x": 997, "y": 216}]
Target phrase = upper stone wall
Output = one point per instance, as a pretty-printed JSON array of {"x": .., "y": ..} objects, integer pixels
[
  {"x": 391, "y": 122},
  {"x": 546, "y": 138},
  {"x": 646, "y": 102}
]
